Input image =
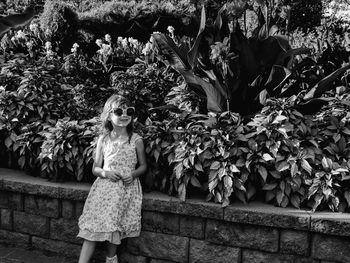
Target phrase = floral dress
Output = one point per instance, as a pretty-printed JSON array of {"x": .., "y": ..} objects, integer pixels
[{"x": 112, "y": 211}]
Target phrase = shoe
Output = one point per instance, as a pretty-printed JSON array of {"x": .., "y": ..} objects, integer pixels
[{"x": 112, "y": 260}]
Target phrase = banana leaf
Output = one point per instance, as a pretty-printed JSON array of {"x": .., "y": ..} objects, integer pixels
[
  {"x": 215, "y": 93},
  {"x": 325, "y": 84},
  {"x": 193, "y": 53},
  {"x": 170, "y": 51}
]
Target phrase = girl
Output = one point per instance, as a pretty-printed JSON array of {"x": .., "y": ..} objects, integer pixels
[{"x": 112, "y": 210}]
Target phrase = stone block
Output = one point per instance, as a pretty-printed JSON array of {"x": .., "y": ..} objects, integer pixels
[
  {"x": 64, "y": 230},
  {"x": 160, "y": 222},
  {"x": 267, "y": 215},
  {"x": 79, "y": 206},
  {"x": 68, "y": 209},
  {"x": 251, "y": 256},
  {"x": 192, "y": 227},
  {"x": 159, "y": 246},
  {"x": 4, "y": 199},
  {"x": 191, "y": 207},
  {"x": 13, "y": 238},
  {"x": 127, "y": 257},
  {"x": 30, "y": 224},
  {"x": 160, "y": 261},
  {"x": 6, "y": 219},
  {"x": 41, "y": 206},
  {"x": 59, "y": 247},
  {"x": 240, "y": 235},
  {"x": 334, "y": 248},
  {"x": 16, "y": 201},
  {"x": 294, "y": 242},
  {"x": 331, "y": 223},
  {"x": 204, "y": 252}
]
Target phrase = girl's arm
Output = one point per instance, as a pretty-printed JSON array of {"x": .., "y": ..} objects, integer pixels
[
  {"x": 98, "y": 161},
  {"x": 141, "y": 157}
]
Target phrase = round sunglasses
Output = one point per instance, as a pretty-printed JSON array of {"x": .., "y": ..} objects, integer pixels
[{"x": 129, "y": 111}]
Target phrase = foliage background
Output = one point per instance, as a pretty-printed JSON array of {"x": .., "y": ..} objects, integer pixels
[{"x": 55, "y": 77}]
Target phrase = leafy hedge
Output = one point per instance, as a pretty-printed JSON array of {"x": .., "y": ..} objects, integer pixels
[{"x": 288, "y": 158}]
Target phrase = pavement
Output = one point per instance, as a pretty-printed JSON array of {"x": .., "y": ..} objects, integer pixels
[{"x": 27, "y": 255}]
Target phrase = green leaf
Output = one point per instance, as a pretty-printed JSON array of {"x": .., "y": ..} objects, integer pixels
[
  {"x": 279, "y": 197},
  {"x": 295, "y": 200},
  {"x": 267, "y": 157},
  {"x": 347, "y": 197},
  {"x": 8, "y": 142},
  {"x": 168, "y": 49},
  {"x": 269, "y": 187},
  {"x": 215, "y": 165},
  {"x": 263, "y": 172},
  {"x": 192, "y": 55},
  {"x": 195, "y": 182},
  {"x": 178, "y": 170},
  {"x": 325, "y": 84},
  {"x": 182, "y": 192},
  {"x": 306, "y": 166}
]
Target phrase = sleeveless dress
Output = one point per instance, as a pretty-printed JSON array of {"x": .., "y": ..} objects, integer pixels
[{"x": 112, "y": 211}]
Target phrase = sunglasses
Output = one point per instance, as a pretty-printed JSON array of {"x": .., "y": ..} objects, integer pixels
[{"x": 130, "y": 111}]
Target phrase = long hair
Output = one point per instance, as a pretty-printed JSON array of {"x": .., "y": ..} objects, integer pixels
[{"x": 107, "y": 126}]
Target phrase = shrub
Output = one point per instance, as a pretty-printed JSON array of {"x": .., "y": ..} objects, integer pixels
[
  {"x": 67, "y": 151},
  {"x": 59, "y": 22}
]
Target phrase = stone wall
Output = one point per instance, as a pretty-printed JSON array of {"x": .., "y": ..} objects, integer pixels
[{"x": 43, "y": 215}]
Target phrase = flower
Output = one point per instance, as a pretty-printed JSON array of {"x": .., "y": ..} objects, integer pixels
[
  {"x": 48, "y": 45},
  {"x": 171, "y": 29},
  {"x": 30, "y": 44},
  {"x": 20, "y": 34},
  {"x": 99, "y": 42},
  {"x": 33, "y": 27},
  {"x": 147, "y": 49},
  {"x": 108, "y": 38},
  {"x": 74, "y": 49}
]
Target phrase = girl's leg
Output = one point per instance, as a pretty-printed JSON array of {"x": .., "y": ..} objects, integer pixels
[
  {"x": 111, "y": 250},
  {"x": 87, "y": 250}
]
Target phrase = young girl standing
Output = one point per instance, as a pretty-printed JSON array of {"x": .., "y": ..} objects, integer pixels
[{"x": 112, "y": 210}]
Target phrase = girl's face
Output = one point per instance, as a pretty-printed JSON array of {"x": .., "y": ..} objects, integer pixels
[{"x": 121, "y": 115}]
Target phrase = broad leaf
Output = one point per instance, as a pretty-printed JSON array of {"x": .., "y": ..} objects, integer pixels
[
  {"x": 325, "y": 84},
  {"x": 170, "y": 51}
]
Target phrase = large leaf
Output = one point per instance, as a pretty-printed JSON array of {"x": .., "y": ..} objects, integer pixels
[
  {"x": 170, "y": 51},
  {"x": 325, "y": 84},
  {"x": 277, "y": 77},
  {"x": 193, "y": 53},
  {"x": 215, "y": 94},
  {"x": 249, "y": 64}
]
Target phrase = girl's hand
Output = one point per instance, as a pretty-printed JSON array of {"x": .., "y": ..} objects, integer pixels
[
  {"x": 128, "y": 179},
  {"x": 112, "y": 175}
]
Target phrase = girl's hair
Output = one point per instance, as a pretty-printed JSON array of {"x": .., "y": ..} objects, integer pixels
[{"x": 107, "y": 126}]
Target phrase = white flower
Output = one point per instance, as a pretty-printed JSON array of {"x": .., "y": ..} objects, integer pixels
[
  {"x": 99, "y": 42},
  {"x": 20, "y": 34},
  {"x": 147, "y": 49},
  {"x": 74, "y": 49},
  {"x": 171, "y": 29},
  {"x": 30, "y": 44},
  {"x": 13, "y": 39},
  {"x": 119, "y": 40},
  {"x": 108, "y": 38},
  {"x": 33, "y": 27},
  {"x": 124, "y": 43},
  {"x": 48, "y": 32},
  {"x": 48, "y": 45},
  {"x": 2, "y": 88}
]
